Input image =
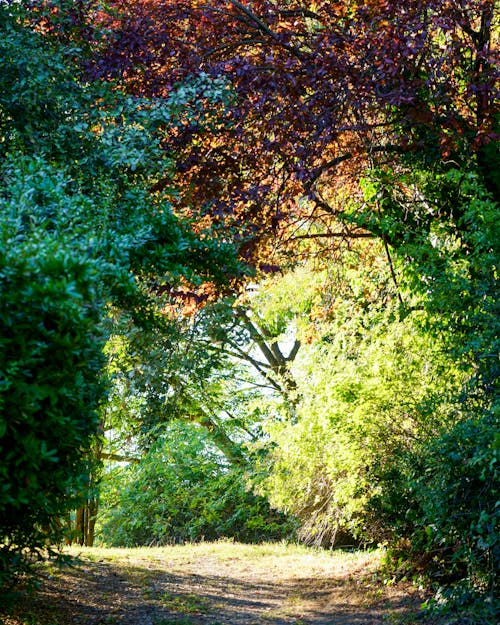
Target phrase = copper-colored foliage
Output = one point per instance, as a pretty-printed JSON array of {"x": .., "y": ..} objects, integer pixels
[{"x": 322, "y": 90}]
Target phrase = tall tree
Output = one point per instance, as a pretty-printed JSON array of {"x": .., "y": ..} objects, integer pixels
[{"x": 323, "y": 92}]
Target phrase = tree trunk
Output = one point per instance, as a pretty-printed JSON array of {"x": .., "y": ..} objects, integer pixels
[
  {"x": 93, "y": 506},
  {"x": 85, "y": 522},
  {"x": 80, "y": 526}
]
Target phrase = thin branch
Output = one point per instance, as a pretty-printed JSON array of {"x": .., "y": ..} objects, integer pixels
[
  {"x": 251, "y": 385},
  {"x": 319, "y": 201},
  {"x": 319, "y": 171},
  {"x": 260, "y": 367},
  {"x": 242, "y": 355},
  {"x": 393, "y": 273},
  {"x": 118, "y": 457},
  {"x": 327, "y": 235},
  {"x": 328, "y": 165},
  {"x": 264, "y": 28},
  {"x": 297, "y": 13}
]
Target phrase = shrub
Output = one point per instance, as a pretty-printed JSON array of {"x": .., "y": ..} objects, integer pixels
[
  {"x": 183, "y": 490},
  {"x": 50, "y": 360},
  {"x": 455, "y": 488}
]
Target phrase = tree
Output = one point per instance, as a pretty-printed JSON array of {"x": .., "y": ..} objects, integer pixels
[
  {"x": 397, "y": 419},
  {"x": 51, "y": 360},
  {"x": 322, "y": 93},
  {"x": 365, "y": 378},
  {"x": 453, "y": 275},
  {"x": 210, "y": 383},
  {"x": 81, "y": 235},
  {"x": 226, "y": 366}
]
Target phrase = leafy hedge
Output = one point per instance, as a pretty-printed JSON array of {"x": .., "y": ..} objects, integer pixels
[
  {"x": 453, "y": 519},
  {"x": 50, "y": 361}
]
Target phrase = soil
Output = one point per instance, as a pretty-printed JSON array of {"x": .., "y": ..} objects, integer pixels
[{"x": 225, "y": 585}]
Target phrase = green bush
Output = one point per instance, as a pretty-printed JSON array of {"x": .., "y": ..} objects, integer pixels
[
  {"x": 183, "y": 490},
  {"x": 368, "y": 394},
  {"x": 454, "y": 486},
  {"x": 50, "y": 361}
]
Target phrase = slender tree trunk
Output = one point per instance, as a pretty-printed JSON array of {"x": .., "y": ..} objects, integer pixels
[
  {"x": 85, "y": 521},
  {"x": 80, "y": 526},
  {"x": 86, "y": 524},
  {"x": 93, "y": 507}
]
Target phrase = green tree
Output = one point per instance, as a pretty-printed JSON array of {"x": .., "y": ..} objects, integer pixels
[
  {"x": 184, "y": 490},
  {"x": 367, "y": 386},
  {"x": 398, "y": 413},
  {"x": 81, "y": 236},
  {"x": 223, "y": 371},
  {"x": 225, "y": 366}
]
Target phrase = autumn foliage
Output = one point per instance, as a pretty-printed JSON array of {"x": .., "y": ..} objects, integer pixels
[{"x": 322, "y": 91}]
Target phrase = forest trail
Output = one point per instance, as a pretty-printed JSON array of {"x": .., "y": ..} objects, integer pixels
[{"x": 216, "y": 584}]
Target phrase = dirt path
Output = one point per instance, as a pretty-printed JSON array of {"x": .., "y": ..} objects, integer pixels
[{"x": 220, "y": 584}]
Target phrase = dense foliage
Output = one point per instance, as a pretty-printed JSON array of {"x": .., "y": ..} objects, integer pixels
[
  {"x": 323, "y": 91},
  {"x": 354, "y": 120},
  {"x": 50, "y": 362},
  {"x": 348, "y": 153},
  {"x": 370, "y": 385},
  {"x": 184, "y": 490},
  {"x": 81, "y": 235}
]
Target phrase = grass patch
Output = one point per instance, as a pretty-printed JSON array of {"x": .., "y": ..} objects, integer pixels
[
  {"x": 186, "y": 603},
  {"x": 213, "y": 582},
  {"x": 274, "y": 561}
]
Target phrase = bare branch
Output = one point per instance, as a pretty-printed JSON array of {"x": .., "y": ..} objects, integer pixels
[
  {"x": 264, "y": 28},
  {"x": 298, "y": 13}
]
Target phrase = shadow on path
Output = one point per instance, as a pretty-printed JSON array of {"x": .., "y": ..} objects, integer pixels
[{"x": 101, "y": 593}]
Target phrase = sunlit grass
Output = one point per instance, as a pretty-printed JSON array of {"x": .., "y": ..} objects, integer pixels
[
  {"x": 181, "y": 584},
  {"x": 290, "y": 560}
]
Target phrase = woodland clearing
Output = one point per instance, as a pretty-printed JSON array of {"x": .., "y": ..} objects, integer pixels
[{"x": 221, "y": 583}]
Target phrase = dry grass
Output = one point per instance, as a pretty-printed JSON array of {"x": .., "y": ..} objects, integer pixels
[
  {"x": 223, "y": 583},
  {"x": 280, "y": 560}
]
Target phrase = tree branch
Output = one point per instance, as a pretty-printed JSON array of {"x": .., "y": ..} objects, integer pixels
[
  {"x": 293, "y": 351},
  {"x": 264, "y": 28},
  {"x": 118, "y": 457},
  {"x": 259, "y": 366},
  {"x": 327, "y": 235},
  {"x": 260, "y": 340}
]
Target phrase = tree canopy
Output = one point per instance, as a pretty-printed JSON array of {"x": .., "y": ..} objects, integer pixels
[
  {"x": 250, "y": 251},
  {"x": 323, "y": 92},
  {"x": 81, "y": 235}
]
